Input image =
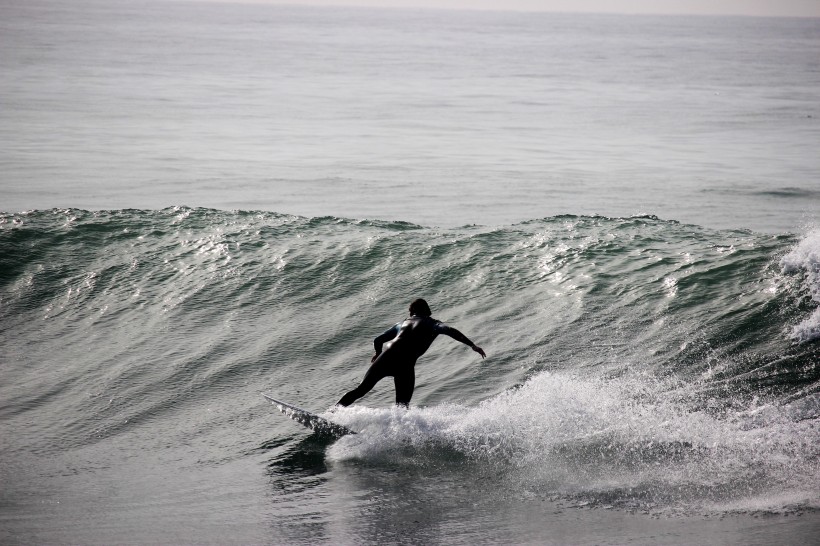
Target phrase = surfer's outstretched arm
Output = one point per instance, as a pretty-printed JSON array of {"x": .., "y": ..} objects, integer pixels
[{"x": 458, "y": 336}]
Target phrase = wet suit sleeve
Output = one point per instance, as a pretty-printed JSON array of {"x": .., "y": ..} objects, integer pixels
[
  {"x": 388, "y": 334},
  {"x": 453, "y": 333}
]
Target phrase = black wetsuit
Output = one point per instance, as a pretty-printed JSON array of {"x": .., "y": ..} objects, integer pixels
[{"x": 405, "y": 343}]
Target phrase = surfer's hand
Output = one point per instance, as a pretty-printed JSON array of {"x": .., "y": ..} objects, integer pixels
[
  {"x": 375, "y": 356},
  {"x": 479, "y": 350}
]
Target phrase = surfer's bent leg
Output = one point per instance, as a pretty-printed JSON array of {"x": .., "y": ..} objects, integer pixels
[
  {"x": 378, "y": 371},
  {"x": 405, "y": 382}
]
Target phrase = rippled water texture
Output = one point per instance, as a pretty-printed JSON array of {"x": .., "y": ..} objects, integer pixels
[{"x": 433, "y": 117}]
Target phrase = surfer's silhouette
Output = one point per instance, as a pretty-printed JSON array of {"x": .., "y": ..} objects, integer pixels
[{"x": 403, "y": 344}]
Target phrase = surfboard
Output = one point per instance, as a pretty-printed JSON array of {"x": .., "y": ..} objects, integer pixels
[{"x": 310, "y": 420}]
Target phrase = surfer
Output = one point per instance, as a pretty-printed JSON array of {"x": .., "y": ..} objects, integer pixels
[{"x": 403, "y": 344}]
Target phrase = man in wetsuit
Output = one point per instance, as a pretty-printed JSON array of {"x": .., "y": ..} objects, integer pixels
[{"x": 404, "y": 344}]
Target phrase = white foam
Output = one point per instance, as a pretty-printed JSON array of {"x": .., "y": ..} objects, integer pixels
[
  {"x": 625, "y": 442},
  {"x": 805, "y": 257}
]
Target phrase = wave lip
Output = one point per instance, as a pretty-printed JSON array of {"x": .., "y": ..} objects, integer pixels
[{"x": 805, "y": 258}]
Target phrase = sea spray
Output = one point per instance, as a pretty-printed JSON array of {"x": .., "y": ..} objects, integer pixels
[
  {"x": 804, "y": 259},
  {"x": 618, "y": 442}
]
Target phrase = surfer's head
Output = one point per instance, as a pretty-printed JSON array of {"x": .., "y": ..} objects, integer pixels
[{"x": 420, "y": 308}]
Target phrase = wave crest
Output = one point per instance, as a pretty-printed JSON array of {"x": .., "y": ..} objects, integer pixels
[{"x": 804, "y": 259}]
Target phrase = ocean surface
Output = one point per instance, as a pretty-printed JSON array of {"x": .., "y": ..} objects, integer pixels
[{"x": 203, "y": 202}]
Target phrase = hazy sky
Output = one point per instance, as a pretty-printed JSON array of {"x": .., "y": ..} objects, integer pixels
[{"x": 789, "y": 8}]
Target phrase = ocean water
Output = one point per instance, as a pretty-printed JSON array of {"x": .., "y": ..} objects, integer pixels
[
  {"x": 433, "y": 117},
  {"x": 204, "y": 202}
]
